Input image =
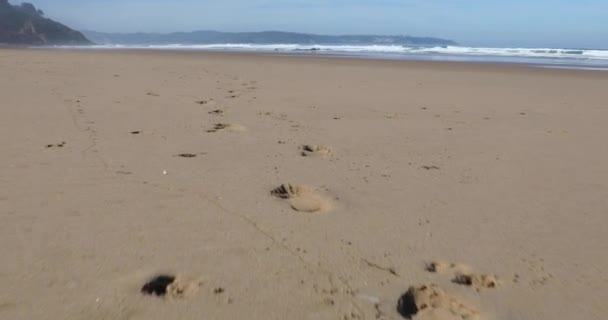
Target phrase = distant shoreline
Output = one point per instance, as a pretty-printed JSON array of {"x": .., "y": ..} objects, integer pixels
[{"x": 534, "y": 62}]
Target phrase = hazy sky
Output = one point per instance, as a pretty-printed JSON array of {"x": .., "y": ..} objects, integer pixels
[{"x": 530, "y": 23}]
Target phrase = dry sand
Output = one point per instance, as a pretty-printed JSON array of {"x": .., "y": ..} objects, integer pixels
[{"x": 119, "y": 166}]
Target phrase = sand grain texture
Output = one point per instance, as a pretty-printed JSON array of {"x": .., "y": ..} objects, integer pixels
[{"x": 95, "y": 199}]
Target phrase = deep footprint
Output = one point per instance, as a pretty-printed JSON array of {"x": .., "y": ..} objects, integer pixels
[
  {"x": 301, "y": 198},
  {"x": 309, "y": 150},
  {"x": 170, "y": 286},
  {"x": 432, "y": 302},
  {"x": 158, "y": 285}
]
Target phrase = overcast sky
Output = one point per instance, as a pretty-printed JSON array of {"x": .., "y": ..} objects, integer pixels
[{"x": 506, "y": 23}]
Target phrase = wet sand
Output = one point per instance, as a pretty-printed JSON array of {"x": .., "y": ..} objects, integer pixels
[{"x": 272, "y": 187}]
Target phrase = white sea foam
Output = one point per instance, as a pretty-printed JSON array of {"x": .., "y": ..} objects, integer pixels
[
  {"x": 517, "y": 52},
  {"x": 387, "y": 49},
  {"x": 544, "y": 57}
]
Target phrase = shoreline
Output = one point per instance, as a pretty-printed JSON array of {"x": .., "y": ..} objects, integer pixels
[
  {"x": 540, "y": 61},
  {"x": 489, "y": 65}
]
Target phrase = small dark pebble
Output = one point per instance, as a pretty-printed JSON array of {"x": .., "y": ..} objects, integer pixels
[
  {"x": 218, "y": 126},
  {"x": 430, "y": 167},
  {"x": 187, "y": 155},
  {"x": 135, "y": 132},
  {"x": 218, "y": 290},
  {"x": 59, "y": 145}
]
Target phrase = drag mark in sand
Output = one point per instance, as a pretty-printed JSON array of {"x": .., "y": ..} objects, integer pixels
[
  {"x": 310, "y": 266},
  {"x": 78, "y": 116},
  {"x": 390, "y": 270}
]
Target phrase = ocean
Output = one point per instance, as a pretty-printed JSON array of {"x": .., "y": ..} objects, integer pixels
[{"x": 588, "y": 59}]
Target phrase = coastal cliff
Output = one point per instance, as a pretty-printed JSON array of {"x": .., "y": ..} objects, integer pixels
[{"x": 26, "y": 25}]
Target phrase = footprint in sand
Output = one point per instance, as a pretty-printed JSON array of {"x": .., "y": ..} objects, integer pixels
[
  {"x": 477, "y": 281},
  {"x": 171, "y": 286},
  {"x": 432, "y": 302},
  {"x": 301, "y": 198},
  {"x": 314, "y": 150},
  {"x": 58, "y": 145},
  {"x": 442, "y": 267},
  {"x": 463, "y": 275},
  {"x": 227, "y": 127}
]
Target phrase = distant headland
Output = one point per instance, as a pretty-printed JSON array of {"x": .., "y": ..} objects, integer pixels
[
  {"x": 26, "y": 25},
  {"x": 263, "y": 37}
]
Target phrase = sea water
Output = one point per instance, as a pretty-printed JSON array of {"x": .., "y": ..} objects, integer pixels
[{"x": 593, "y": 59}]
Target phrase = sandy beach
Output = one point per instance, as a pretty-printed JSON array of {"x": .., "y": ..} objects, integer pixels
[{"x": 282, "y": 187}]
